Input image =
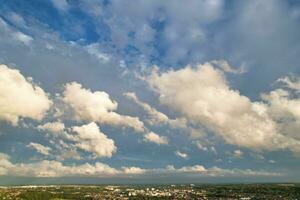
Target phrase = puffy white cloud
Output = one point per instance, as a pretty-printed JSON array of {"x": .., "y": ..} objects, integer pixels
[
  {"x": 39, "y": 148},
  {"x": 195, "y": 168},
  {"x": 48, "y": 168},
  {"x": 90, "y": 138},
  {"x": 133, "y": 170},
  {"x": 203, "y": 95},
  {"x": 154, "y": 138},
  {"x": 53, "y": 127},
  {"x": 20, "y": 97},
  {"x": 86, "y": 137},
  {"x": 97, "y": 106},
  {"x": 181, "y": 154},
  {"x": 284, "y": 107},
  {"x": 281, "y": 105}
]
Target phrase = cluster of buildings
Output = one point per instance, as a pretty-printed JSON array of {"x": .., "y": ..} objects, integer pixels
[
  {"x": 123, "y": 192},
  {"x": 164, "y": 192}
]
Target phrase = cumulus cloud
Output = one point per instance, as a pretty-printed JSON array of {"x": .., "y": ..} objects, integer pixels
[
  {"x": 97, "y": 106},
  {"x": 195, "y": 168},
  {"x": 90, "y": 138},
  {"x": 204, "y": 96},
  {"x": 48, "y": 168},
  {"x": 154, "y": 138},
  {"x": 53, "y": 127},
  {"x": 20, "y": 97},
  {"x": 284, "y": 108},
  {"x": 39, "y": 148},
  {"x": 133, "y": 170},
  {"x": 181, "y": 154}
]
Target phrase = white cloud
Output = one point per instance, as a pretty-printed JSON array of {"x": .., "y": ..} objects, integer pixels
[
  {"x": 193, "y": 169},
  {"x": 94, "y": 50},
  {"x": 8, "y": 31},
  {"x": 90, "y": 138},
  {"x": 201, "y": 146},
  {"x": 181, "y": 154},
  {"x": 156, "y": 117},
  {"x": 216, "y": 171},
  {"x": 133, "y": 170},
  {"x": 39, "y": 148},
  {"x": 68, "y": 154},
  {"x": 154, "y": 138},
  {"x": 97, "y": 106},
  {"x": 292, "y": 84},
  {"x": 197, "y": 94},
  {"x": 237, "y": 153},
  {"x": 203, "y": 95},
  {"x": 87, "y": 137},
  {"x": 53, "y": 127},
  {"x": 284, "y": 107},
  {"x": 48, "y": 168},
  {"x": 224, "y": 65},
  {"x": 180, "y": 43},
  {"x": 61, "y": 4},
  {"x": 26, "y": 39},
  {"x": 272, "y": 161},
  {"x": 20, "y": 97}
]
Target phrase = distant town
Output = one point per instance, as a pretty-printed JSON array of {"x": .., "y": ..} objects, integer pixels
[{"x": 123, "y": 192}]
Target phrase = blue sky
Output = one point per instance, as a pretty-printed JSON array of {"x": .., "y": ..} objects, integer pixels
[{"x": 124, "y": 91}]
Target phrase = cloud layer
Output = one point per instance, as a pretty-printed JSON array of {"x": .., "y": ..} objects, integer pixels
[{"x": 48, "y": 168}]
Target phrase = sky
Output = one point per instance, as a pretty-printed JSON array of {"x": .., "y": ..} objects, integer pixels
[{"x": 111, "y": 91}]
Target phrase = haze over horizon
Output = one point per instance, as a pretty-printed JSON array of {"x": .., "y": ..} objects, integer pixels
[{"x": 112, "y": 91}]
